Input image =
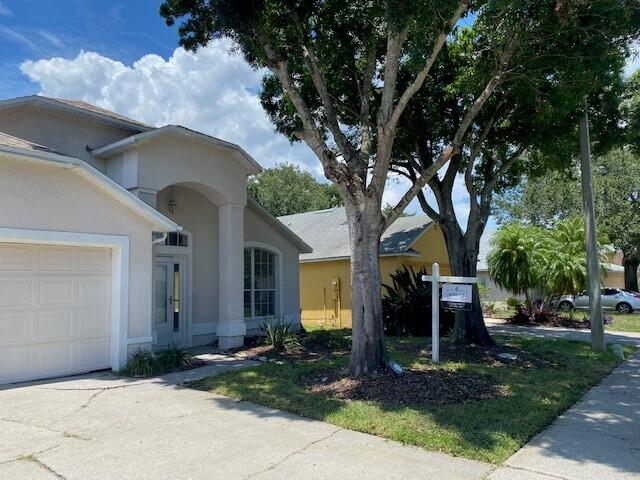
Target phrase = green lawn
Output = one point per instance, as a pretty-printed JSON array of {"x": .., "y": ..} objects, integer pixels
[
  {"x": 622, "y": 322},
  {"x": 487, "y": 430}
]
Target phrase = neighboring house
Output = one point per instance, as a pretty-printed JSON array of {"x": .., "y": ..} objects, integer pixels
[
  {"x": 325, "y": 285},
  {"x": 614, "y": 275},
  {"x": 115, "y": 236}
]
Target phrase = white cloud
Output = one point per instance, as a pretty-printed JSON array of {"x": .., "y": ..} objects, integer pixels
[
  {"x": 212, "y": 91},
  {"x": 5, "y": 11}
]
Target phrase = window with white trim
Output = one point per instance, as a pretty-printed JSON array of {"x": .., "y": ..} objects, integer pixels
[{"x": 260, "y": 280}]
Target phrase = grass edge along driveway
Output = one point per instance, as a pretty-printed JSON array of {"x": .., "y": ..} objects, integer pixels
[{"x": 485, "y": 430}]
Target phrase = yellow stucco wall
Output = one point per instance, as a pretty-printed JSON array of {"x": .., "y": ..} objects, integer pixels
[
  {"x": 614, "y": 280},
  {"x": 325, "y": 291}
]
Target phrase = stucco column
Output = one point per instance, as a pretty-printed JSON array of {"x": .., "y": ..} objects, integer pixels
[{"x": 231, "y": 326}]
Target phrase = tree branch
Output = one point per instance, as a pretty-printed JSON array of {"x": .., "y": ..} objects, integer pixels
[
  {"x": 417, "y": 83},
  {"x": 449, "y": 151},
  {"x": 428, "y": 209},
  {"x": 475, "y": 152},
  {"x": 320, "y": 82},
  {"x": 332, "y": 168},
  {"x": 388, "y": 115},
  {"x": 365, "y": 102}
]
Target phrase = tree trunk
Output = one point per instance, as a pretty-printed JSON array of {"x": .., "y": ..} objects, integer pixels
[
  {"x": 368, "y": 352},
  {"x": 631, "y": 263},
  {"x": 469, "y": 326}
]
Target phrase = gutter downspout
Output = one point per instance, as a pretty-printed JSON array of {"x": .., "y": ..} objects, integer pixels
[{"x": 160, "y": 239}]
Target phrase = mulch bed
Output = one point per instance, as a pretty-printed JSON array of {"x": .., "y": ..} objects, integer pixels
[
  {"x": 450, "y": 352},
  {"x": 413, "y": 388},
  {"x": 544, "y": 317},
  {"x": 311, "y": 351},
  {"x": 561, "y": 322}
]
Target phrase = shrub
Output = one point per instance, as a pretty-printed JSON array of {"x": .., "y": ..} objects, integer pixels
[
  {"x": 488, "y": 306},
  {"x": 142, "y": 363},
  {"x": 406, "y": 305},
  {"x": 544, "y": 316},
  {"x": 145, "y": 363},
  {"x": 513, "y": 302},
  {"x": 332, "y": 339},
  {"x": 173, "y": 358},
  {"x": 281, "y": 336}
]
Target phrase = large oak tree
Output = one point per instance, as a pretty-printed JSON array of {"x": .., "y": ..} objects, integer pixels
[
  {"x": 342, "y": 75},
  {"x": 528, "y": 125}
]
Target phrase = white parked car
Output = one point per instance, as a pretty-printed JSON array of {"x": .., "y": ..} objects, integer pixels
[{"x": 616, "y": 299}]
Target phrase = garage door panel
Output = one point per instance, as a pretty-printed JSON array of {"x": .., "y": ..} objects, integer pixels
[
  {"x": 93, "y": 290},
  {"x": 55, "y": 311},
  {"x": 55, "y": 291},
  {"x": 53, "y": 325},
  {"x": 16, "y": 326},
  {"x": 16, "y": 363},
  {"x": 54, "y": 359},
  {"x": 19, "y": 258},
  {"x": 92, "y": 322},
  {"x": 56, "y": 259},
  {"x": 91, "y": 355},
  {"x": 96, "y": 260},
  {"x": 16, "y": 292}
]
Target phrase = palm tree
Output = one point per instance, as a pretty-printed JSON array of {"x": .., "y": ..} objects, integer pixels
[
  {"x": 565, "y": 263},
  {"x": 516, "y": 258}
]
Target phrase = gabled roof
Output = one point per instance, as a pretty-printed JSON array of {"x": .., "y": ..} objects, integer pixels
[
  {"x": 78, "y": 107},
  {"x": 326, "y": 231},
  {"x": 250, "y": 164},
  {"x": 278, "y": 225},
  {"x": 20, "y": 149}
]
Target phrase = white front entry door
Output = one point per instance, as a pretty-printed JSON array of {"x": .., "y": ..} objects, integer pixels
[
  {"x": 55, "y": 310},
  {"x": 168, "y": 294}
]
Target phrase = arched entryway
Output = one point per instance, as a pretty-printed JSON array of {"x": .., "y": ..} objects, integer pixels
[{"x": 203, "y": 263}]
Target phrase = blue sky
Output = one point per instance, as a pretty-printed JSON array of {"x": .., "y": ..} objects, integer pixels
[{"x": 33, "y": 29}]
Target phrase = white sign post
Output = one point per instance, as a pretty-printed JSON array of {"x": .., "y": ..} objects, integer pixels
[{"x": 454, "y": 298}]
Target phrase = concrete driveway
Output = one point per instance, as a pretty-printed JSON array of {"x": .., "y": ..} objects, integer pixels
[{"x": 103, "y": 427}]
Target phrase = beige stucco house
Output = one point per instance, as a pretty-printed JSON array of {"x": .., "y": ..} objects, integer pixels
[{"x": 115, "y": 236}]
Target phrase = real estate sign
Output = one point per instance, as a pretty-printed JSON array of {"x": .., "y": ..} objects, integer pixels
[{"x": 456, "y": 296}]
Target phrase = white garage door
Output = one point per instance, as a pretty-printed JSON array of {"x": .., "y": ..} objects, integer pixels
[{"x": 54, "y": 310}]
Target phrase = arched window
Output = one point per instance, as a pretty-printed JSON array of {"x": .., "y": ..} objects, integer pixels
[{"x": 260, "y": 283}]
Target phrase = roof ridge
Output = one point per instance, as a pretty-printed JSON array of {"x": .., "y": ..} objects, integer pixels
[{"x": 83, "y": 105}]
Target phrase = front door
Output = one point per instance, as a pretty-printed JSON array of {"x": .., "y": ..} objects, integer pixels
[{"x": 168, "y": 305}]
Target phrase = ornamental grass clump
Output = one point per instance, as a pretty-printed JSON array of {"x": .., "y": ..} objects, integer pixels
[{"x": 281, "y": 336}]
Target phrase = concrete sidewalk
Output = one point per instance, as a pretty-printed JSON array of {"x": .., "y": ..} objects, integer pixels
[
  {"x": 101, "y": 427},
  {"x": 499, "y": 327},
  {"x": 598, "y": 438}
]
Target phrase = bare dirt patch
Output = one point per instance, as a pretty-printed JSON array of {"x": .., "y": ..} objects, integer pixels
[{"x": 413, "y": 388}]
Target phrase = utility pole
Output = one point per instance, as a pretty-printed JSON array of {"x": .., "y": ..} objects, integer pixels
[{"x": 593, "y": 262}]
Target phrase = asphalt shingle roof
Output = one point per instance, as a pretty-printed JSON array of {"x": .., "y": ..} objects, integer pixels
[
  {"x": 99, "y": 110},
  {"x": 326, "y": 231},
  {"x": 15, "y": 142}
]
